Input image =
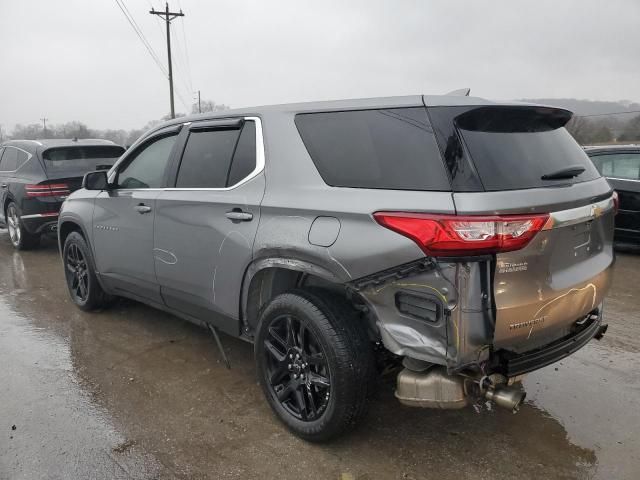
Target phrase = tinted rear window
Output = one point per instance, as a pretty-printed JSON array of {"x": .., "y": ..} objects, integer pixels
[
  {"x": 390, "y": 149},
  {"x": 81, "y": 158},
  {"x": 514, "y": 147}
]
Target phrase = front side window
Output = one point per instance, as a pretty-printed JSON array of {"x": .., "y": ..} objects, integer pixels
[
  {"x": 619, "y": 165},
  {"x": 147, "y": 167},
  {"x": 9, "y": 160}
]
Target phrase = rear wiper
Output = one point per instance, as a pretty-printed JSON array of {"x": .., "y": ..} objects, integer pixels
[{"x": 567, "y": 172}]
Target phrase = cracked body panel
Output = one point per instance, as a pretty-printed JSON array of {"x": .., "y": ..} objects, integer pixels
[{"x": 460, "y": 331}]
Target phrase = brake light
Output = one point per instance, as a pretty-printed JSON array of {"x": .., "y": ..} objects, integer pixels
[
  {"x": 48, "y": 190},
  {"x": 616, "y": 202},
  {"x": 453, "y": 235}
]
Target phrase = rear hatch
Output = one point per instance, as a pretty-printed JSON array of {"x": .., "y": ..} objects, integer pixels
[
  {"x": 67, "y": 165},
  {"x": 520, "y": 160}
]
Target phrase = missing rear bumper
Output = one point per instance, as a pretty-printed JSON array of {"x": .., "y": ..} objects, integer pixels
[{"x": 512, "y": 364}]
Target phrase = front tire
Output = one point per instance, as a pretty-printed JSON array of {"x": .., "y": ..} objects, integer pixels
[
  {"x": 314, "y": 362},
  {"x": 20, "y": 238},
  {"x": 79, "y": 269}
]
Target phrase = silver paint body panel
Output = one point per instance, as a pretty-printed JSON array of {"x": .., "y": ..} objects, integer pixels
[{"x": 201, "y": 264}]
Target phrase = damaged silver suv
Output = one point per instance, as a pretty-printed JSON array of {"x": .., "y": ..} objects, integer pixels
[{"x": 461, "y": 241}]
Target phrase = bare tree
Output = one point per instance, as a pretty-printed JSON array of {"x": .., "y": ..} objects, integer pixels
[{"x": 208, "y": 106}]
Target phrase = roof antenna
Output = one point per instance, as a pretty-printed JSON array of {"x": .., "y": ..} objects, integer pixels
[{"x": 461, "y": 92}]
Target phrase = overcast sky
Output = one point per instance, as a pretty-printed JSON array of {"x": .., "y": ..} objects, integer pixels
[{"x": 81, "y": 60}]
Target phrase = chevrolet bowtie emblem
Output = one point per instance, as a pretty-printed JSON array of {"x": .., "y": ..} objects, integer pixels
[{"x": 596, "y": 211}]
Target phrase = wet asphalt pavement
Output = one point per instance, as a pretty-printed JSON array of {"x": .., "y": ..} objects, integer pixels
[{"x": 136, "y": 393}]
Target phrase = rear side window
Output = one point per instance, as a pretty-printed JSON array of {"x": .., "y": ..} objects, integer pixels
[
  {"x": 206, "y": 159},
  {"x": 514, "y": 147},
  {"x": 244, "y": 160},
  {"x": 9, "y": 161},
  {"x": 619, "y": 165},
  {"x": 390, "y": 149},
  {"x": 218, "y": 158}
]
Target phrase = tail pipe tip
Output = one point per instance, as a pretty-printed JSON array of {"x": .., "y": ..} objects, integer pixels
[{"x": 508, "y": 397}]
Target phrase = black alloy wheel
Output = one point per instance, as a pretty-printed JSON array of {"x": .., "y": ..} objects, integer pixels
[
  {"x": 315, "y": 362},
  {"x": 77, "y": 274},
  {"x": 79, "y": 270},
  {"x": 297, "y": 368}
]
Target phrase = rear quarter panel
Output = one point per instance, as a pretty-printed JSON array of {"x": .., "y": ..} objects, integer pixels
[{"x": 296, "y": 195}]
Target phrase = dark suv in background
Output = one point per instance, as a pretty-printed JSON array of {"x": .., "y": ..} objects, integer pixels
[
  {"x": 461, "y": 241},
  {"x": 37, "y": 175},
  {"x": 620, "y": 164}
]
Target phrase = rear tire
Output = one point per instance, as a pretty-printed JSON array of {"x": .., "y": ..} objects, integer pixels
[
  {"x": 20, "y": 238},
  {"x": 315, "y": 363},
  {"x": 80, "y": 272}
]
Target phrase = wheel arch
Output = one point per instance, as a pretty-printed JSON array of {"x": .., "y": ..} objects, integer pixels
[
  {"x": 8, "y": 199},
  {"x": 266, "y": 278},
  {"x": 66, "y": 225}
]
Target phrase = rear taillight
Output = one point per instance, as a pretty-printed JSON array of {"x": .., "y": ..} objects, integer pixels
[
  {"x": 453, "y": 235},
  {"x": 616, "y": 202},
  {"x": 47, "y": 190}
]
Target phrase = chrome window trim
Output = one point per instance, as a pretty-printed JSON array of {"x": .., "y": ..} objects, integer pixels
[
  {"x": 39, "y": 215},
  {"x": 260, "y": 164},
  {"x": 624, "y": 179},
  {"x": 29, "y": 156},
  {"x": 572, "y": 216}
]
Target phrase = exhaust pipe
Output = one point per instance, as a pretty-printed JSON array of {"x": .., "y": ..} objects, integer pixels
[
  {"x": 434, "y": 388},
  {"x": 508, "y": 397}
]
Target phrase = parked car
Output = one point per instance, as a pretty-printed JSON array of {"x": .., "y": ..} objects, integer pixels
[
  {"x": 467, "y": 240},
  {"x": 620, "y": 164},
  {"x": 37, "y": 175}
]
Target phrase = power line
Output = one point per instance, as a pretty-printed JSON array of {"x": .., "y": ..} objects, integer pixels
[
  {"x": 168, "y": 17},
  {"x": 608, "y": 114},
  {"x": 143, "y": 39},
  {"x": 187, "y": 87},
  {"x": 186, "y": 48},
  {"x": 180, "y": 67}
]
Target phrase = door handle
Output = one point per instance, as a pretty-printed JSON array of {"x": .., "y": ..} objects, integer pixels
[
  {"x": 142, "y": 208},
  {"x": 237, "y": 215},
  {"x": 4, "y": 185}
]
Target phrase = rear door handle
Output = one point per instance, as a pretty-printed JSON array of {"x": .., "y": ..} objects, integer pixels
[
  {"x": 238, "y": 215},
  {"x": 4, "y": 185},
  {"x": 142, "y": 208}
]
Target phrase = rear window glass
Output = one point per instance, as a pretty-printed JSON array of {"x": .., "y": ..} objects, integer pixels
[
  {"x": 389, "y": 149},
  {"x": 513, "y": 147},
  {"x": 619, "y": 165},
  {"x": 81, "y": 158}
]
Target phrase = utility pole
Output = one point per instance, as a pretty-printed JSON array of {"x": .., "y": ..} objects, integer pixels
[
  {"x": 168, "y": 16},
  {"x": 44, "y": 127},
  {"x": 199, "y": 107}
]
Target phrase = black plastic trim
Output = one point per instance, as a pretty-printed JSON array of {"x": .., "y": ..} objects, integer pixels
[{"x": 516, "y": 364}]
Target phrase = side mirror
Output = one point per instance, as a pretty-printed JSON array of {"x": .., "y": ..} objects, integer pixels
[{"x": 95, "y": 180}]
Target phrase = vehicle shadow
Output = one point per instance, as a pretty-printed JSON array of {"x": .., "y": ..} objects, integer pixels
[{"x": 164, "y": 385}]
